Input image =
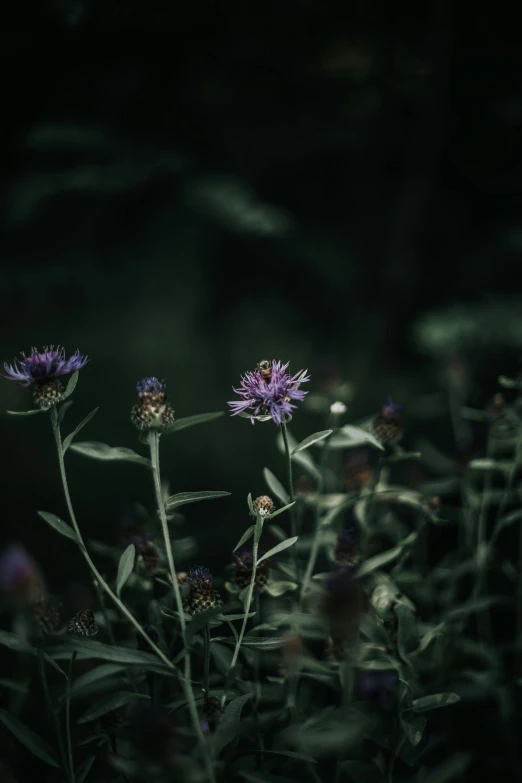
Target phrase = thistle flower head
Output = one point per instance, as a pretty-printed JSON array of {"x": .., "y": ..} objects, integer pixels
[
  {"x": 264, "y": 505},
  {"x": 18, "y": 573},
  {"x": 83, "y": 623},
  {"x": 201, "y": 595},
  {"x": 199, "y": 575},
  {"x": 269, "y": 391},
  {"x": 243, "y": 570},
  {"x": 152, "y": 411},
  {"x": 42, "y": 365},
  {"x": 392, "y": 410}
]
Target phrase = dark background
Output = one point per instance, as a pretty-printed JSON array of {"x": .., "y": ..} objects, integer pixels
[{"x": 190, "y": 188}]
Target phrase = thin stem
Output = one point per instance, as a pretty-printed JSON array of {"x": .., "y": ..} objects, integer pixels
[
  {"x": 187, "y": 678},
  {"x": 206, "y": 663},
  {"x": 314, "y": 551},
  {"x": 68, "y": 718},
  {"x": 248, "y": 601},
  {"x": 52, "y": 710},
  {"x": 293, "y": 519},
  {"x": 83, "y": 549},
  {"x": 104, "y": 612}
]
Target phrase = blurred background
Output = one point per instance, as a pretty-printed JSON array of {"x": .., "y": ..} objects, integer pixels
[{"x": 190, "y": 189}]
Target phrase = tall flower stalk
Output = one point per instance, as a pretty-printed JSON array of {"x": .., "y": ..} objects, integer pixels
[{"x": 291, "y": 494}]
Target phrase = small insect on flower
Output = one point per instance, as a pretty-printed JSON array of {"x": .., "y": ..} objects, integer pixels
[
  {"x": 269, "y": 391},
  {"x": 152, "y": 411},
  {"x": 201, "y": 595},
  {"x": 264, "y": 505},
  {"x": 387, "y": 426},
  {"x": 42, "y": 369},
  {"x": 83, "y": 623}
]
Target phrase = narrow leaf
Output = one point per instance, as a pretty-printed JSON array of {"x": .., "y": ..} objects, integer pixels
[
  {"x": 414, "y": 729},
  {"x": 35, "y": 744},
  {"x": 229, "y": 725},
  {"x": 263, "y": 643},
  {"x": 311, "y": 439},
  {"x": 244, "y": 538},
  {"x": 88, "y": 648},
  {"x": 27, "y": 413},
  {"x": 63, "y": 410},
  {"x": 125, "y": 567},
  {"x": 58, "y": 524},
  {"x": 95, "y": 675},
  {"x": 71, "y": 384},
  {"x": 350, "y": 437},
  {"x": 275, "y": 589},
  {"x": 378, "y": 561},
  {"x": 190, "y": 421},
  {"x": 452, "y": 768},
  {"x": 278, "y": 548},
  {"x": 182, "y": 498},
  {"x": 280, "y": 510},
  {"x": 434, "y": 701},
  {"x": 102, "y": 451},
  {"x": 276, "y": 487},
  {"x": 84, "y": 769},
  {"x": 69, "y": 439}
]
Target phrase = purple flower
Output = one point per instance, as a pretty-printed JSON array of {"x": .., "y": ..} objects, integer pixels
[
  {"x": 391, "y": 409},
  {"x": 150, "y": 386},
  {"x": 380, "y": 686},
  {"x": 269, "y": 391},
  {"x": 199, "y": 575},
  {"x": 17, "y": 570},
  {"x": 41, "y": 365}
]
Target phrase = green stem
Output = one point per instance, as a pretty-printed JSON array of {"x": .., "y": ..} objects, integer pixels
[
  {"x": 104, "y": 612},
  {"x": 248, "y": 602},
  {"x": 83, "y": 549},
  {"x": 187, "y": 678},
  {"x": 206, "y": 663},
  {"x": 52, "y": 710},
  {"x": 293, "y": 519},
  {"x": 68, "y": 717},
  {"x": 314, "y": 551}
]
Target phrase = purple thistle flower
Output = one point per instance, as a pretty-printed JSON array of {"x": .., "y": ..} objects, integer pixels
[
  {"x": 199, "y": 575},
  {"x": 269, "y": 392},
  {"x": 150, "y": 386},
  {"x": 18, "y": 573},
  {"x": 42, "y": 365},
  {"x": 391, "y": 409}
]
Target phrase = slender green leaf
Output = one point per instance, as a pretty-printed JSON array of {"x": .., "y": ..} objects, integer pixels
[
  {"x": 228, "y": 727},
  {"x": 101, "y": 451},
  {"x": 13, "y": 642},
  {"x": 474, "y": 605},
  {"x": 263, "y": 643},
  {"x": 69, "y": 439},
  {"x": 84, "y": 769},
  {"x": 71, "y": 384},
  {"x": 190, "y": 421},
  {"x": 276, "y": 487},
  {"x": 278, "y": 548},
  {"x": 58, "y": 524},
  {"x": 95, "y": 675},
  {"x": 351, "y": 437},
  {"x": 244, "y": 538},
  {"x": 27, "y": 413},
  {"x": 182, "y": 498},
  {"x": 88, "y": 648},
  {"x": 378, "y": 561},
  {"x": 12, "y": 685},
  {"x": 62, "y": 410},
  {"x": 302, "y": 458},
  {"x": 310, "y": 440},
  {"x": 280, "y": 510},
  {"x": 450, "y": 769},
  {"x": 414, "y": 728},
  {"x": 111, "y": 702},
  {"x": 275, "y": 589},
  {"x": 434, "y": 701},
  {"x": 35, "y": 744},
  {"x": 125, "y": 567},
  {"x": 251, "y": 508}
]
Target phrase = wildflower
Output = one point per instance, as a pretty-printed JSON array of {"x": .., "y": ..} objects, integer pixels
[
  {"x": 149, "y": 554},
  {"x": 244, "y": 567},
  {"x": 43, "y": 368},
  {"x": 142, "y": 644},
  {"x": 269, "y": 391},
  {"x": 83, "y": 623},
  {"x": 19, "y": 576},
  {"x": 264, "y": 505},
  {"x": 338, "y": 408},
  {"x": 387, "y": 426},
  {"x": 346, "y": 552},
  {"x": 152, "y": 411},
  {"x": 201, "y": 595}
]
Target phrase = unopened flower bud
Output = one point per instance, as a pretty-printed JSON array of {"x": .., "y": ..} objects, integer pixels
[{"x": 264, "y": 505}]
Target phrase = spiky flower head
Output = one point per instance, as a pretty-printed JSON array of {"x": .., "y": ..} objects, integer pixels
[
  {"x": 244, "y": 568},
  {"x": 269, "y": 391},
  {"x": 83, "y": 623},
  {"x": 152, "y": 411},
  {"x": 43, "y": 369},
  {"x": 387, "y": 426},
  {"x": 142, "y": 644},
  {"x": 264, "y": 505},
  {"x": 201, "y": 595},
  {"x": 145, "y": 548}
]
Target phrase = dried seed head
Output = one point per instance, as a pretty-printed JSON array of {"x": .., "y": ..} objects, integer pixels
[
  {"x": 202, "y": 595},
  {"x": 243, "y": 571},
  {"x": 264, "y": 505},
  {"x": 83, "y": 623}
]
